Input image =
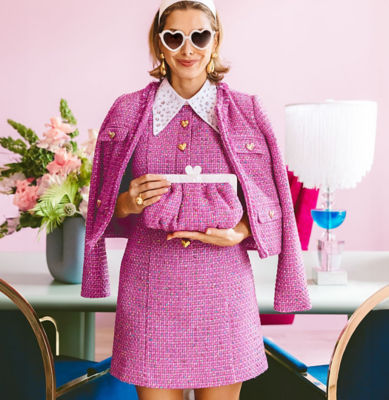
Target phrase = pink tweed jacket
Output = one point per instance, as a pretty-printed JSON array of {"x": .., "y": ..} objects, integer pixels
[{"x": 251, "y": 146}]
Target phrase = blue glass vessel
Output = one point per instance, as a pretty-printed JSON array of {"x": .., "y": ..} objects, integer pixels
[{"x": 328, "y": 219}]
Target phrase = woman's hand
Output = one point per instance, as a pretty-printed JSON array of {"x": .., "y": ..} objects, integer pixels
[
  {"x": 219, "y": 237},
  {"x": 150, "y": 186}
]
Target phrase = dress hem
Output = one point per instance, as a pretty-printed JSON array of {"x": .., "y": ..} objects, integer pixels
[{"x": 193, "y": 386}]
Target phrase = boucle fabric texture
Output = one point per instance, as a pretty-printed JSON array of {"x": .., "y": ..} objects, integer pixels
[
  {"x": 250, "y": 146},
  {"x": 186, "y": 317},
  {"x": 195, "y": 207}
]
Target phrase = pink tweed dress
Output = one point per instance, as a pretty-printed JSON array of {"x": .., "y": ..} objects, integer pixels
[{"x": 188, "y": 317}]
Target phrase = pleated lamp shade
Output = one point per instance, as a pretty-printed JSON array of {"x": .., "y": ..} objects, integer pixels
[{"x": 330, "y": 145}]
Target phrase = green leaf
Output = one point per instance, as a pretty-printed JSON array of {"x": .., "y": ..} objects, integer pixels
[
  {"x": 74, "y": 134},
  {"x": 14, "y": 145},
  {"x": 28, "y": 220},
  {"x": 52, "y": 215},
  {"x": 74, "y": 146},
  {"x": 85, "y": 172},
  {"x": 63, "y": 193},
  {"x": 66, "y": 113},
  {"x": 50, "y": 206},
  {"x": 3, "y": 229},
  {"x": 25, "y": 133},
  {"x": 35, "y": 160},
  {"x": 13, "y": 168}
]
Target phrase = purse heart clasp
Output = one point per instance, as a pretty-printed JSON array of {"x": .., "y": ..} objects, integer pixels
[{"x": 194, "y": 172}]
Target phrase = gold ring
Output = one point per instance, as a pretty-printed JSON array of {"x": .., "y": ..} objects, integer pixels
[
  {"x": 185, "y": 242},
  {"x": 139, "y": 199}
]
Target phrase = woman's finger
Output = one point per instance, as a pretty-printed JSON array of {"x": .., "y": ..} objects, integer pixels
[
  {"x": 149, "y": 194},
  {"x": 193, "y": 235}
]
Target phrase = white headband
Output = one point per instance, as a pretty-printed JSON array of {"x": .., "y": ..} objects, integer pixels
[{"x": 167, "y": 3}]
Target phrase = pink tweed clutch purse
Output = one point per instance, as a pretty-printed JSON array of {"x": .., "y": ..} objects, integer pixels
[{"x": 196, "y": 202}]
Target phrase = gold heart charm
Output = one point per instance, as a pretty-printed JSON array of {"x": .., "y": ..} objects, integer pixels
[
  {"x": 250, "y": 146},
  {"x": 184, "y": 123},
  {"x": 112, "y": 134},
  {"x": 271, "y": 213},
  {"x": 98, "y": 202},
  {"x": 185, "y": 243},
  {"x": 182, "y": 146}
]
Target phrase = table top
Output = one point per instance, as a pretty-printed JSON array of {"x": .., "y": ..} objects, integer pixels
[{"x": 368, "y": 271}]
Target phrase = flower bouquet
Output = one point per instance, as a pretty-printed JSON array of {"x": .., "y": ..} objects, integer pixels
[{"x": 49, "y": 179}]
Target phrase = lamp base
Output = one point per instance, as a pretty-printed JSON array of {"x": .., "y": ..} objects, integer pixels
[
  {"x": 335, "y": 277},
  {"x": 329, "y": 251}
]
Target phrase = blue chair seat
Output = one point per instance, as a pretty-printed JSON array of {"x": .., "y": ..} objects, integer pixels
[
  {"x": 68, "y": 368},
  {"x": 320, "y": 372},
  {"x": 285, "y": 356},
  {"x": 103, "y": 388}
]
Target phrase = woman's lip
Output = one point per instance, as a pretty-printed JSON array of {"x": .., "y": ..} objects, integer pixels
[{"x": 187, "y": 63}]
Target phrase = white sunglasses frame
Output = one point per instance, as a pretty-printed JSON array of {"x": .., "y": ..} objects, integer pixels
[{"x": 186, "y": 37}]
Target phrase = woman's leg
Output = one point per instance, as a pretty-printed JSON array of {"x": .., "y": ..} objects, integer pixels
[
  {"x": 145, "y": 393},
  {"x": 228, "y": 392}
]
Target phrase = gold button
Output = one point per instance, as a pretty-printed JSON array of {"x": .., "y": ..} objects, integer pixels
[
  {"x": 112, "y": 134},
  {"x": 182, "y": 146},
  {"x": 271, "y": 213},
  {"x": 250, "y": 146},
  {"x": 184, "y": 123},
  {"x": 98, "y": 202},
  {"x": 185, "y": 242}
]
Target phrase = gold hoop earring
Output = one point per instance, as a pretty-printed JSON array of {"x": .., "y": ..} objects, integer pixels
[
  {"x": 162, "y": 67},
  {"x": 211, "y": 64}
]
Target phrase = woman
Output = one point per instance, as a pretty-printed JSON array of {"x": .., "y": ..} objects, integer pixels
[{"x": 187, "y": 315}]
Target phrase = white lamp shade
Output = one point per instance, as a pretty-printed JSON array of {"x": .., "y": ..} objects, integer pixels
[{"x": 330, "y": 144}]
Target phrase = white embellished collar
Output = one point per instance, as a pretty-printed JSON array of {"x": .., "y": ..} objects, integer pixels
[{"x": 168, "y": 103}]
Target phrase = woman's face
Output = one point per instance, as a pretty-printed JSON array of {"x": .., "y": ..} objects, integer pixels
[{"x": 187, "y": 21}]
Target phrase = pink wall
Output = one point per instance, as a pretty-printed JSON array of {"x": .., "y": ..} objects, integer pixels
[{"x": 90, "y": 52}]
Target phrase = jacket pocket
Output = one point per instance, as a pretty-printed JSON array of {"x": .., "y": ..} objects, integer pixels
[
  {"x": 113, "y": 134},
  {"x": 249, "y": 145},
  {"x": 111, "y": 142},
  {"x": 269, "y": 212},
  {"x": 269, "y": 217},
  {"x": 253, "y": 154}
]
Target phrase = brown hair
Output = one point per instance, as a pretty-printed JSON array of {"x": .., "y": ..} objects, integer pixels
[{"x": 156, "y": 28}]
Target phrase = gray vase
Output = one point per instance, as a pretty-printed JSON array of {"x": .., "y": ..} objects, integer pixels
[{"x": 65, "y": 250}]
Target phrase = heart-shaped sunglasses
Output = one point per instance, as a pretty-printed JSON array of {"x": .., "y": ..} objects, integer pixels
[{"x": 174, "y": 40}]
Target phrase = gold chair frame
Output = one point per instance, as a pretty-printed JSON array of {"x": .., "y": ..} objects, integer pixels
[
  {"x": 352, "y": 324},
  {"x": 52, "y": 392},
  {"x": 329, "y": 390}
]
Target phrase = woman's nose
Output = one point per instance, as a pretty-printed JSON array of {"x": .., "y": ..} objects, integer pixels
[{"x": 187, "y": 47}]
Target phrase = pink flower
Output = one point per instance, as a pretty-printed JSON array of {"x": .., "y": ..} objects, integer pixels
[
  {"x": 84, "y": 191},
  {"x": 48, "y": 180},
  {"x": 12, "y": 224},
  {"x": 25, "y": 196},
  {"x": 7, "y": 184},
  {"x": 56, "y": 123},
  {"x": 90, "y": 144},
  {"x": 57, "y": 135},
  {"x": 63, "y": 163}
]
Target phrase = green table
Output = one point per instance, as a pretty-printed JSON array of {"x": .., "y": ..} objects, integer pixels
[{"x": 75, "y": 315}]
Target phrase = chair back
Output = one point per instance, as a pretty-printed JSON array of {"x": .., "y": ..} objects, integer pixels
[
  {"x": 26, "y": 361},
  {"x": 359, "y": 366}
]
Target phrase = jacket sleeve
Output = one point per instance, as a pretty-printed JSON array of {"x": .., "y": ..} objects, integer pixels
[
  {"x": 95, "y": 277},
  {"x": 291, "y": 292}
]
